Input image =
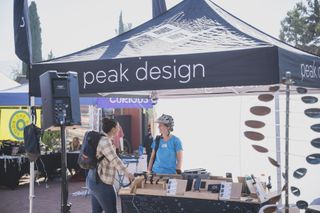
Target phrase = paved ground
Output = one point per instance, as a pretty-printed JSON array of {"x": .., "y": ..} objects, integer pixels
[{"x": 47, "y": 198}]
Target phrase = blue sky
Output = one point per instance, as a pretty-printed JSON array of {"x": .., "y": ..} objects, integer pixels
[{"x": 68, "y": 26}]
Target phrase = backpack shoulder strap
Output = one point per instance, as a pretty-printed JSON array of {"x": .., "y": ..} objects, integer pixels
[
  {"x": 101, "y": 157},
  {"x": 156, "y": 147},
  {"x": 175, "y": 144},
  {"x": 157, "y": 143}
]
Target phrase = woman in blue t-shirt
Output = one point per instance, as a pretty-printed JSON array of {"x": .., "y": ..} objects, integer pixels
[{"x": 168, "y": 157}]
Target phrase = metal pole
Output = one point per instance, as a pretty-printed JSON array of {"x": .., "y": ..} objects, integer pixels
[
  {"x": 64, "y": 185},
  {"x": 278, "y": 145},
  {"x": 31, "y": 187},
  {"x": 288, "y": 82},
  {"x": 31, "y": 180},
  {"x": 65, "y": 207}
]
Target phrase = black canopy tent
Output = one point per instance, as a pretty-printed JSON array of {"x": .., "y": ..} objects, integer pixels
[
  {"x": 195, "y": 48},
  {"x": 196, "y": 44}
]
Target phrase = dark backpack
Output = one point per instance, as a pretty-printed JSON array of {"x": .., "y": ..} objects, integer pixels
[
  {"x": 32, "y": 134},
  {"x": 87, "y": 158}
]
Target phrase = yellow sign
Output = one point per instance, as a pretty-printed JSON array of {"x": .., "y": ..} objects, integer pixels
[
  {"x": 12, "y": 123},
  {"x": 18, "y": 121}
]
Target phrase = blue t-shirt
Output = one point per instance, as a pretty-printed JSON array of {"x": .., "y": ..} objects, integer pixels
[{"x": 166, "y": 157}]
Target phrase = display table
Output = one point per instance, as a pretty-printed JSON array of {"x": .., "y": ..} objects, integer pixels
[
  {"x": 171, "y": 193},
  {"x": 168, "y": 204},
  {"x": 12, "y": 168},
  {"x": 50, "y": 163}
]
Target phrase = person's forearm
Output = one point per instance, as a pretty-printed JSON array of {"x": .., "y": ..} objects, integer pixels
[
  {"x": 179, "y": 160},
  {"x": 151, "y": 161},
  {"x": 150, "y": 164}
]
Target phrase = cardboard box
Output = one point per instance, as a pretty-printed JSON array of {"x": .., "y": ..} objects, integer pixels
[
  {"x": 176, "y": 187},
  {"x": 230, "y": 191}
]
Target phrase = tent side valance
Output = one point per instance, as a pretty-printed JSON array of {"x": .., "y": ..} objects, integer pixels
[{"x": 227, "y": 68}]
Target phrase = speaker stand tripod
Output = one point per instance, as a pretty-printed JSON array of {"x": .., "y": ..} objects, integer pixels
[{"x": 65, "y": 206}]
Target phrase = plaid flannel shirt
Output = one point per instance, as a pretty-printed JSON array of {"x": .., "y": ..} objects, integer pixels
[{"x": 110, "y": 163}]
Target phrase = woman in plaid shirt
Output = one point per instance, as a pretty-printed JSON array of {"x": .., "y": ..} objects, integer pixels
[{"x": 100, "y": 181}]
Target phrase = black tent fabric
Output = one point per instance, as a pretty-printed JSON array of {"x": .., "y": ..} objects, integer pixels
[
  {"x": 195, "y": 44},
  {"x": 158, "y": 7}
]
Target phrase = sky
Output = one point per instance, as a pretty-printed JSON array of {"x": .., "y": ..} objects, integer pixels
[
  {"x": 69, "y": 26},
  {"x": 72, "y": 25}
]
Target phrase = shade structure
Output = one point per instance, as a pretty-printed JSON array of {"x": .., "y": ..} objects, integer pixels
[
  {"x": 19, "y": 96},
  {"x": 195, "y": 44},
  {"x": 7, "y": 83}
]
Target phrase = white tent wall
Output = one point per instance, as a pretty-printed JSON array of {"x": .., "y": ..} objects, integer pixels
[
  {"x": 7, "y": 83},
  {"x": 211, "y": 130}
]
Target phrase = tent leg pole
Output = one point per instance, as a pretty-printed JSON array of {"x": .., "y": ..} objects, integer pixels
[
  {"x": 65, "y": 206},
  {"x": 288, "y": 82},
  {"x": 278, "y": 145},
  {"x": 31, "y": 170},
  {"x": 31, "y": 187}
]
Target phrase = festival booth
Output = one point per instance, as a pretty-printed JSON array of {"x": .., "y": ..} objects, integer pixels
[
  {"x": 17, "y": 98},
  {"x": 194, "y": 49},
  {"x": 14, "y": 116}
]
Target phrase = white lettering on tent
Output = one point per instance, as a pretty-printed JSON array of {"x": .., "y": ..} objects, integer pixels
[
  {"x": 102, "y": 76},
  {"x": 310, "y": 71},
  {"x": 202, "y": 69},
  {"x": 123, "y": 74},
  {"x": 183, "y": 72},
  {"x": 86, "y": 80},
  {"x": 186, "y": 74},
  {"x": 155, "y": 73},
  {"x": 166, "y": 71},
  {"x": 128, "y": 100},
  {"x": 113, "y": 76},
  {"x": 174, "y": 69},
  {"x": 144, "y": 72}
]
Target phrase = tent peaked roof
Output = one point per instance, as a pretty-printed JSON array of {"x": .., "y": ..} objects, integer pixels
[
  {"x": 195, "y": 44},
  {"x": 193, "y": 26},
  {"x": 7, "y": 83}
]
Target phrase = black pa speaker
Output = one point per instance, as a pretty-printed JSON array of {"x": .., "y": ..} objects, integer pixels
[{"x": 60, "y": 99}]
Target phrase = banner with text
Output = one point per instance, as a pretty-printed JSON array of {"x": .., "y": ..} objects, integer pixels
[{"x": 124, "y": 103}]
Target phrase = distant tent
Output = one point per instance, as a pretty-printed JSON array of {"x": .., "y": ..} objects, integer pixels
[
  {"x": 16, "y": 96},
  {"x": 6, "y": 83},
  {"x": 19, "y": 96}
]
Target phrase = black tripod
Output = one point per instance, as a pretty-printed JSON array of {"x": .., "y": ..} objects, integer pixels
[{"x": 65, "y": 206}]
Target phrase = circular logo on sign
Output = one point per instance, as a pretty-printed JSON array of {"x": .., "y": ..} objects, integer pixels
[{"x": 17, "y": 123}]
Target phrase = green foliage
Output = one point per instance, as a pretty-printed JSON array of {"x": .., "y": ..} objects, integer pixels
[
  {"x": 24, "y": 68},
  {"x": 35, "y": 33},
  {"x": 15, "y": 72},
  {"x": 301, "y": 26},
  {"x": 123, "y": 27},
  {"x": 50, "y": 55},
  {"x": 51, "y": 139}
]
